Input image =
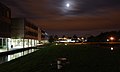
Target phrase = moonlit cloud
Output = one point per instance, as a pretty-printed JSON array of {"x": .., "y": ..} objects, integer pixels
[{"x": 77, "y": 16}]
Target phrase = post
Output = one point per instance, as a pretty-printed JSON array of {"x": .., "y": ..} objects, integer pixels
[{"x": 23, "y": 43}]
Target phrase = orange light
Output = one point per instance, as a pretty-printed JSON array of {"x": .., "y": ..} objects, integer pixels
[{"x": 112, "y": 38}]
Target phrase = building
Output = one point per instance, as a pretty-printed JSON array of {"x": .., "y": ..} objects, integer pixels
[
  {"x": 5, "y": 22},
  {"x": 23, "y": 34},
  {"x": 44, "y": 37},
  {"x": 17, "y": 32}
]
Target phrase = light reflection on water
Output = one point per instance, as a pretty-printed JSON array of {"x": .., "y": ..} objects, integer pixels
[
  {"x": 112, "y": 48},
  {"x": 116, "y": 47},
  {"x": 10, "y": 57}
]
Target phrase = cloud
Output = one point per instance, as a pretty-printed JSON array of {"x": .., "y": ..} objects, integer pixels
[
  {"x": 83, "y": 15},
  {"x": 52, "y": 8},
  {"x": 110, "y": 19}
]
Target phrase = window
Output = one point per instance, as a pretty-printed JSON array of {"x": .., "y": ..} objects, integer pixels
[{"x": 8, "y": 14}]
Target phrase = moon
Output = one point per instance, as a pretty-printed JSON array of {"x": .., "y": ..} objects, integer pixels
[{"x": 67, "y": 5}]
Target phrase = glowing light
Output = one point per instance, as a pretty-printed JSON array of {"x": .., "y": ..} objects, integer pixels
[
  {"x": 78, "y": 38},
  {"x": 111, "y": 48},
  {"x": 86, "y": 40},
  {"x": 65, "y": 44},
  {"x": 82, "y": 38},
  {"x": 107, "y": 39},
  {"x": 67, "y": 5},
  {"x": 112, "y": 38},
  {"x": 56, "y": 44}
]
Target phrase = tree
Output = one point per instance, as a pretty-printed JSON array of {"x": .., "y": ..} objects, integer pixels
[
  {"x": 102, "y": 37},
  {"x": 55, "y": 38},
  {"x": 51, "y": 39},
  {"x": 63, "y": 36},
  {"x": 75, "y": 38}
]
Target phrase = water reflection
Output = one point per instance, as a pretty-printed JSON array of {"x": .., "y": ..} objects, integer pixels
[
  {"x": 3, "y": 59},
  {"x": 10, "y": 57},
  {"x": 115, "y": 48},
  {"x": 60, "y": 63},
  {"x": 111, "y": 48}
]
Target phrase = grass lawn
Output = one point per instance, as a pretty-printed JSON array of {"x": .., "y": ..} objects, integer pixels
[{"x": 81, "y": 58}]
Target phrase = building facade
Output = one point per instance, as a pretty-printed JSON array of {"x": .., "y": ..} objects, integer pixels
[
  {"x": 44, "y": 36},
  {"x": 24, "y": 34},
  {"x": 5, "y": 22},
  {"x": 17, "y": 32}
]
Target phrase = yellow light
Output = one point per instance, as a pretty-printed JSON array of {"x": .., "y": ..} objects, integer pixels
[
  {"x": 60, "y": 38},
  {"x": 65, "y": 44},
  {"x": 82, "y": 38},
  {"x": 56, "y": 44},
  {"x": 65, "y": 38}
]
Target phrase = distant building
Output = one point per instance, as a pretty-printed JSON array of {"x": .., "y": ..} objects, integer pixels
[
  {"x": 5, "y": 22},
  {"x": 44, "y": 36}
]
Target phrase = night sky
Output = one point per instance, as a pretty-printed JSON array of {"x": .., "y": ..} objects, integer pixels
[{"x": 69, "y": 17}]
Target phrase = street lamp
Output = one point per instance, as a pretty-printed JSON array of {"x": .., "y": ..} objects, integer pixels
[{"x": 112, "y": 38}]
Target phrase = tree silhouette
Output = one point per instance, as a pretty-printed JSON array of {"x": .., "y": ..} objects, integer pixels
[
  {"x": 102, "y": 37},
  {"x": 63, "y": 36},
  {"x": 55, "y": 37},
  {"x": 51, "y": 39},
  {"x": 74, "y": 38}
]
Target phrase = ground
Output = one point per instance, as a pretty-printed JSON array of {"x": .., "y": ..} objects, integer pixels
[{"x": 80, "y": 58}]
